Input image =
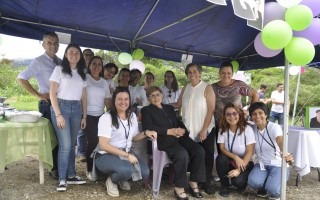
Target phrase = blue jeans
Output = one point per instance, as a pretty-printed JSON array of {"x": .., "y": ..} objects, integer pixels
[
  {"x": 67, "y": 137},
  {"x": 269, "y": 179},
  {"x": 119, "y": 170},
  {"x": 81, "y": 143},
  {"x": 276, "y": 116}
]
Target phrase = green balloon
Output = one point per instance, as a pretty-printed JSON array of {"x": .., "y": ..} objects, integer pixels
[
  {"x": 276, "y": 34},
  {"x": 299, "y": 17},
  {"x": 299, "y": 51},
  {"x": 137, "y": 54},
  {"x": 124, "y": 58},
  {"x": 235, "y": 66}
]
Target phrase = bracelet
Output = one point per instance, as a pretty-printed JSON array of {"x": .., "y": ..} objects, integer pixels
[{"x": 58, "y": 115}]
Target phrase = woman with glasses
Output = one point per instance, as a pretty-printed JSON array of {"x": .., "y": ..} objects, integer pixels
[
  {"x": 173, "y": 138},
  {"x": 266, "y": 174},
  {"x": 236, "y": 142},
  {"x": 110, "y": 70},
  {"x": 170, "y": 89},
  {"x": 116, "y": 130}
]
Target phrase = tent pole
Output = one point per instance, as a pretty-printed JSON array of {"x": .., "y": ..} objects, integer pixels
[
  {"x": 296, "y": 98},
  {"x": 285, "y": 131}
]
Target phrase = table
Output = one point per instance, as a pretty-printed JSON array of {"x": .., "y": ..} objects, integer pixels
[
  {"x": 304, "y": 144},
  {"x": 21, "y": 139}
]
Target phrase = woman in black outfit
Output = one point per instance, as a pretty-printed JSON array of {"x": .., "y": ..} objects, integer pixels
[{"x": 175, "y": 141}]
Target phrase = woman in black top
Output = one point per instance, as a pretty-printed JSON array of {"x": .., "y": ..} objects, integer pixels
[{"x": 174, "y": 140}]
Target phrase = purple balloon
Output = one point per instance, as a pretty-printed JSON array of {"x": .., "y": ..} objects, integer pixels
[
  {"x": 273, "y": 11},
  {"x": 314, "y": 5},
  {"x": 311, "y": 33},
  {"x": 263, "y": 50}
]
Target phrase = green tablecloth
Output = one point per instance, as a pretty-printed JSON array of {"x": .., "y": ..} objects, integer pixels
[{"x": 17, "y": 140}]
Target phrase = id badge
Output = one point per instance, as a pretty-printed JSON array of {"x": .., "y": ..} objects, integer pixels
[{"x": 262, "y": 166}]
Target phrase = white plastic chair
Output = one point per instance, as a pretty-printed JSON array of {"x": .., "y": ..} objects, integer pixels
[{"x": 159, "y": 160}]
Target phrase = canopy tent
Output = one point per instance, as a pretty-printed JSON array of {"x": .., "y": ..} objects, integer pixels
[{"x": 164, "y": 29}]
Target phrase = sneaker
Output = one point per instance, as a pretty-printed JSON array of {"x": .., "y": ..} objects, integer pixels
[
  {"x": 262, "y": 193},
  {"x": 274, "y": 198},
  {"x": 62, "y": 186},
  {"x": 112, "y": 188},
  {"x": 216, "y": 179},
  {"x": 89, "y": 177},
  {"x": 54, "y": 174},
  {"x": 208, "y": 188},
  {"x": 224, "y": 191},
  {"x": 124, "y": 185},
  {"x": 76, "y": 180}
]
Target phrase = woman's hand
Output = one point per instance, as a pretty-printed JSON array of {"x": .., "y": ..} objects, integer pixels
[
  {"x": 83, "y": 123},
  {"x": 151, "y": 134},
  {"x": 180, "y": 132},
  {"x": 60, "y": 122},
  {"x": 233, "y": 173},
  {"x": 203, "y": 135},
  {"x": 132, "y": 159},
  {"x": 240, "y": 163},
  {"x": 289, "y": 158}
]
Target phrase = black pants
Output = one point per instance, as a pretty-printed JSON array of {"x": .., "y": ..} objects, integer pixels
[
  {"x": 91, "y": 132},
  {"x": 181, "y": 154},
  {"x": 44, "y": 108},
  {"x": 208, "y": 146},
  {"x": 224, "y": 167}
]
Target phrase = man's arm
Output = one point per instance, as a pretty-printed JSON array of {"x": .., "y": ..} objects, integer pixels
[
  {"x": 26, "y": 84},
  {"x": 254, "y": 96}
]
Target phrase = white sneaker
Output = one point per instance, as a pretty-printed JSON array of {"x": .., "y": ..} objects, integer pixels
[
  {"x": 112, "y": 188},
  {"x": 62, "y": 186},
  {"x": 89, "y": 177},
  {"x": 124, "y": 185}
]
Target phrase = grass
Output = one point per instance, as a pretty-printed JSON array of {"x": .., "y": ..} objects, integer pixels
[{"x": 23, "y": 102}]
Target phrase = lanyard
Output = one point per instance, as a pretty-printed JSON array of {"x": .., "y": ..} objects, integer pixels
[
  {"x": 264, "y": 139},
  {"x": 125, "y": 131},
  {"x": 234, "y": 137}
]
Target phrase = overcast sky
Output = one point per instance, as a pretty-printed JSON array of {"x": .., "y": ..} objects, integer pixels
[{"x": 21, "y": 48}]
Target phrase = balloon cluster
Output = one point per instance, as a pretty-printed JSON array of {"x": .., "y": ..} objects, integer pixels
[
  {"x": 134, "y": 59},
  {"x": 290, "y": 25}
]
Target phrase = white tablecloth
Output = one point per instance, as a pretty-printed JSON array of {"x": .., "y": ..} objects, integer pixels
[{"x": 304, "y": 144}]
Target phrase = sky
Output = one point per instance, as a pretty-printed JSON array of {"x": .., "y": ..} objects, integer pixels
[{"x": 14, "y": 48}]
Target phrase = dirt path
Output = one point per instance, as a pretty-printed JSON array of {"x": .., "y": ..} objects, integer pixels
[{"x": 21, "y": 181}]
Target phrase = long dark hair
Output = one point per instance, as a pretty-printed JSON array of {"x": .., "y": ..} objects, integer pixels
[
  {"x": 113, "y": 110},
  {"x": 81, "y": 65},
  {"x": 242, "y": 123},
  {"x": 175, "y": 85},
  {"x": 90, "y": 62}
]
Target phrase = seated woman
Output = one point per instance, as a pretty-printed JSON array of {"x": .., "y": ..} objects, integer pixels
[
  {"x": 116, "y": 130},
  {"x": 236, "y": 141},
  {"x": 266, "y": 174},
  {"x": 175, "y": 141}
]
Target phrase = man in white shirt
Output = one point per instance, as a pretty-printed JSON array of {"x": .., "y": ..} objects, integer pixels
[
  {"x": 277, "y": 97},
  {"x": 41, "y": 69},
  {"x": 137, "y": 92}
]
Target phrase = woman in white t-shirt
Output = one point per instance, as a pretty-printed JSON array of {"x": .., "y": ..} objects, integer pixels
[
  {"x": 266, "y": 174},
  {"x": 236, "y": 141},
  {"x": 68, "y": 95},
  {"x": 170, "y": 89},
  {"x": 116, "y": 130},
  {"x": 98, "y": 98}
]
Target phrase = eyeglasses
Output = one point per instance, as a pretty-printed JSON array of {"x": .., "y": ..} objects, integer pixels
[
  {"x": 169, "y": 94},
  {"x": 88, "y": 55},
  {"x": 155, "y": 95},
  {"x": 232, "y": 114}
]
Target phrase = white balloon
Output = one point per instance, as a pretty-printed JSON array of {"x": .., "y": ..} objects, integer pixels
[
  {"x": 137, "y": 64},
  {"x": 288, "y": 3},
  {"x": 294, "y": 70}
]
